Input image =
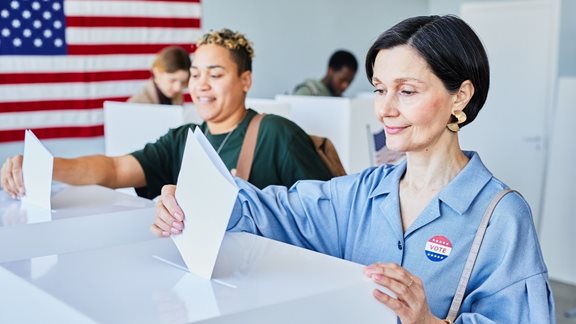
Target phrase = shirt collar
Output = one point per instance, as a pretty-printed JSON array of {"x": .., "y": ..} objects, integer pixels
[{"x": 458, "y": 194}]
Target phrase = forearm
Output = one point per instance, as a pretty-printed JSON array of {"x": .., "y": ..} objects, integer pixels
[{"x": 112, "y": 172}]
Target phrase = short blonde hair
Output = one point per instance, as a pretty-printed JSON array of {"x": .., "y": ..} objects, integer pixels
[{"x": 238, "y": 45}]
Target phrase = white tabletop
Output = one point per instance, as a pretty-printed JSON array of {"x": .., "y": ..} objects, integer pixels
[
  {"x": 82, "y": 217},
  {"x": 256, "y": 280}
]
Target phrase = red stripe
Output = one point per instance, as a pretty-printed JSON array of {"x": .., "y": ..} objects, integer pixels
[
  {"x": 53, "y": 132},
  {"x": 60, "y": 77},
  {"x": 98, "y": 49},
  {"x": 80, "y": 104},
  {"x": 148, "y": 22}
]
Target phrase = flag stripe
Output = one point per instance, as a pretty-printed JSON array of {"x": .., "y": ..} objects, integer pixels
[
  {"x": 53, "y": 132},
  {"x": 53, "y": 118},
  {"x": 72, "y": 63},
  {"x": 176, "y": 9},
  {"x": 71, "y": 90},
  {"x": 19, "y": 78},
  {"x": 132, "y": 22},
  {"x": 24, "y": 106},
  {"x": 121, "y": 48},
  {"x": 108, "y": 36}
]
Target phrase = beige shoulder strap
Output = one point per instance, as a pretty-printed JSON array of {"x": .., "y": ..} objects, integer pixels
[
  {"x": 469, "y": 266},
  {"x": 246, "y": 157}
]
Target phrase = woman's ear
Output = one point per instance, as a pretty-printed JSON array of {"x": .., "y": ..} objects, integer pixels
[
  {"x": 246, "y": 79},
  {"x": 463, "y": 95}
]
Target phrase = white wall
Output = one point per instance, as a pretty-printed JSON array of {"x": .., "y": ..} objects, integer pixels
[{"x": 294, "y": 39}]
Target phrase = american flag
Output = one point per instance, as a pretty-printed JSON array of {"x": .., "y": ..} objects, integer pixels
[
  {"x": 382, "y": 155},
  {"x": 61, "y": 59}
]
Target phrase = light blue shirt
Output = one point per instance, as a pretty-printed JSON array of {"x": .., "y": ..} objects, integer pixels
[{"x": 357, "y": 218}]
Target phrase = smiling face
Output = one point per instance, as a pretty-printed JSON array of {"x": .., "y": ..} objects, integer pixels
[
  {"x": 170, "y": 84},
  {"x": 411, "y": 101},
  {"x": 216, "y": 87}
]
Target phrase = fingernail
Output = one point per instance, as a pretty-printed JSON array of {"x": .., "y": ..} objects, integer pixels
[
  {"x": 175, "y": 230},
  {"x": 165, "y": 234},
  {"x": 178, "y": 216},
  {"x": 177, "y": 225}
]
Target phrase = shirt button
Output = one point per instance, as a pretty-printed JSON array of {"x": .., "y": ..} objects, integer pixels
[{"x": 399, "y": 245}]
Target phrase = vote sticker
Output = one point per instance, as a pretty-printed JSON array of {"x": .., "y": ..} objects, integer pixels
[{"x": 438, "y": 248}]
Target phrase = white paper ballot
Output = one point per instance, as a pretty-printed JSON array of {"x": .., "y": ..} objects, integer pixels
[
  {"x": 37, "y": 172},
  {"x": 206, "y": 193}
]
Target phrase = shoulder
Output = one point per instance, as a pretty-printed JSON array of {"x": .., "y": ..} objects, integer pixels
[
  {"x": 307, "y": 88},
  {"x": 279, "y": 125},
  {"x": 146, "y": 95}
]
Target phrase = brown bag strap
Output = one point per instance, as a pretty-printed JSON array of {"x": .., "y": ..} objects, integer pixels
[
  {"x": 469, "y": 266},
  {"x": 246, "y": 157}
]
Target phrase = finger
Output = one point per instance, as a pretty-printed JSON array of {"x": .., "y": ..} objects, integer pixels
[
  {"x": 402, "y": 291},
  {"x": 168, "y": 199},
  {"x": 163, "y": 220},
  {"x": 158, "y": 231},
  {"x": 17, "y": 173},
  {"x": 396, "y": 305}
]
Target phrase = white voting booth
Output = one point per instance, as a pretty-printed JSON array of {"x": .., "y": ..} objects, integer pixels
[
  {"x": 348, "y": 123},
  {"x": 129, "y": 126}
]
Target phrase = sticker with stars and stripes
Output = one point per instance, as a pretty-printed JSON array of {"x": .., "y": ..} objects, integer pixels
[{"x": 438, "y": 248}]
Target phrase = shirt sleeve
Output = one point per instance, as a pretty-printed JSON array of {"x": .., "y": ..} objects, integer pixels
[
  {"x": 302, "y": 215},
  {"x": 526, "y": 301}
]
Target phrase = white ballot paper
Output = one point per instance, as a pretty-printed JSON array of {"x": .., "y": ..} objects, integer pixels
[
  {"x": 37, "y": 172},
  {"x": 206, "y": 193}
]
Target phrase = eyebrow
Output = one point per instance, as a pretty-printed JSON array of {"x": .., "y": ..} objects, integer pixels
[
  {"x": 210, "y": 67},
  {"x": 400, "y": 80}
]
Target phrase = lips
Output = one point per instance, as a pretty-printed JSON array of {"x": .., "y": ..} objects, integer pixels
[
  {"x": 204, "y": 99},
  {"x": 392, "y": 130}
]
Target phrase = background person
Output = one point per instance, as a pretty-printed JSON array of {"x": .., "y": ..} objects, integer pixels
[
  {"x": 431, "y": 77},
  {"x": 342, "y": 68},
  {"x": 221, "y": 75},
  {"x": 170, "y": 73}
]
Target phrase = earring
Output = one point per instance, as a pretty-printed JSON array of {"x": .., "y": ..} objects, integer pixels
[{"x": 460, "y": 118}]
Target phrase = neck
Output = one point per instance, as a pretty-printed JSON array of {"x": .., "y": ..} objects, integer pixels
[
  {"x": 434, "y": 170},
  {"x": 229, "y": 124}
]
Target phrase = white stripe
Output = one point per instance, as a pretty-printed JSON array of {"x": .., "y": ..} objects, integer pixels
[
  {"x": 88, "y": 63},
  {"x": 53, "y": 118},
  {"x": 109, "y": 35},
  {"x": 66, "y": 91},
  {"x": 158, "y": 9}
]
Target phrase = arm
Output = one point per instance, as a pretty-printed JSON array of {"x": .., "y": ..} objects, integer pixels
[
  {"x": 302, "y": 215},
  {"x": 112, "y": 172}
]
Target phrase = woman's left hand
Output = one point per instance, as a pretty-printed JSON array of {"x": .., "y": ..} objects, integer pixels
[{"x": 410, "y": 305}]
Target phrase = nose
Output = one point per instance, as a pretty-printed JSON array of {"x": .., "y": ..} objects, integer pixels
[{"x": 385, "y": 105}]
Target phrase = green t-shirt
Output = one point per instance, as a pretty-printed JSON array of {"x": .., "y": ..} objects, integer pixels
[
  {"x": 284, "y": 154},
  {"x": 312, "y": 88}
]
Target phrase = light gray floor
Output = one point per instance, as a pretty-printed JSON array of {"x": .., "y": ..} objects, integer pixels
[{"x": 565, "y": 298}]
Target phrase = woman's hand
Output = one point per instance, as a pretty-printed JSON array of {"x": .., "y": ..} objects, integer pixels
[
  {"x": 169, "y": 217},
  {"x": 11, "y": 176},
  {"x": 410, "y": 305}
]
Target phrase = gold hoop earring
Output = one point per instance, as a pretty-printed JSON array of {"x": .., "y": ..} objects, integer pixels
[{"x": 460, "y": 118}]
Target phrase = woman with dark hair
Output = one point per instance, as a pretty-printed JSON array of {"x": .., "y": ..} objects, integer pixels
[
  {"x": 414, "y": 223},
  {"x": 170, "y": 74}
]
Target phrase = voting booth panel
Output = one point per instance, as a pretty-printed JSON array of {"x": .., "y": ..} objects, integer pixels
[
  {"x": 129, "y": 126},
  {"x": 347, "y": 122}
]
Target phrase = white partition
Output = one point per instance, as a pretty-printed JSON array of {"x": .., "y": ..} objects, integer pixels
[
  {"x": 269, "y": 106},
  {"x": 344, "y": 121},
  {"x": 129, "y": 126},
  {"x": 558, "y": 231}
]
